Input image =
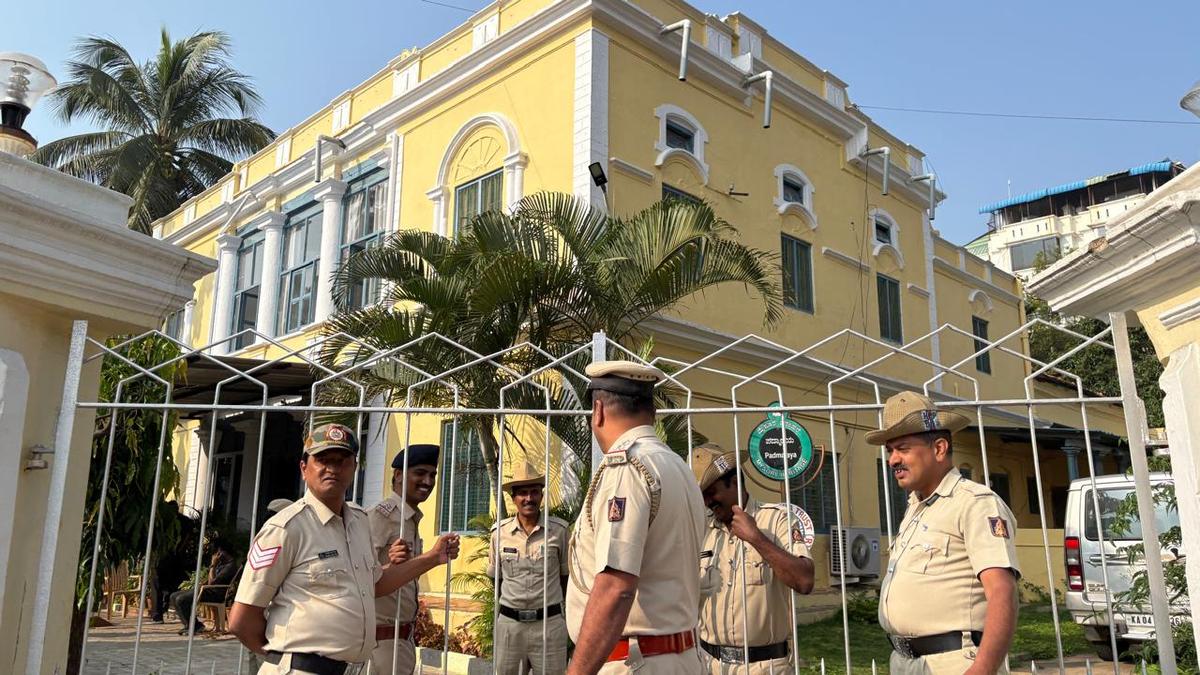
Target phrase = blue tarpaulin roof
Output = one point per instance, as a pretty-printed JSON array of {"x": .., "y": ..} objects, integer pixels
[{"x": 1076, "y": 185}]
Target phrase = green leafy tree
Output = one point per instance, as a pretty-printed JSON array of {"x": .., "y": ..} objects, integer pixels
[
  {"x": 550, "y": 273},
  {"x": 170, "y": 127}
]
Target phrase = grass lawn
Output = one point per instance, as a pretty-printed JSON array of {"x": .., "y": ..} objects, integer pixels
[{"x": 1034, "y": 639}]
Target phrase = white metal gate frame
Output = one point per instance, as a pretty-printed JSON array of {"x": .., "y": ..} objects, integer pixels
[{"x": 600, "y": 347}]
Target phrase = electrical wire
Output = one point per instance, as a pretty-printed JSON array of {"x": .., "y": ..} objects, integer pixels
[
  {"x": 443, "y": 4},
  {"x": 1070, "y": 118}
]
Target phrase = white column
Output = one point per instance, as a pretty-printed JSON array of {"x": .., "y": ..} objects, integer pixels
[
  {"x": 438, "y": 196},
  {"x": 514, "y": 178},
  {"x": 189, "y": 318},
  {"x": 329, "y": 192},
  {"x": 395, "y": 181},
  {"x": 268, "y": 294},
  {"x": 227, "y": 248},
  {"x": 1180, "y": 382}
]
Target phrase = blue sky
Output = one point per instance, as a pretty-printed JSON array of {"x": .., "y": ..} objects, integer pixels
[{"x": 1101, "y": 58}]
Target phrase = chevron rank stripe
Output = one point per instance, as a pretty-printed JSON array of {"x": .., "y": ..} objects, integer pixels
[{"x": 260, "y": 558}]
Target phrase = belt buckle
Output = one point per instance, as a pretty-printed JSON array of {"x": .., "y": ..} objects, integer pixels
[
  {"x": 902, "y": 646},
  {"x": 527, "y": 615},
  {"x": 730, "y": 654}
]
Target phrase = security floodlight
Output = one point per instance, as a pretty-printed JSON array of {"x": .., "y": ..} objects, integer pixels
[
  {"x": 1191, "y": 100},
  {"x": 598, "y": 177}
]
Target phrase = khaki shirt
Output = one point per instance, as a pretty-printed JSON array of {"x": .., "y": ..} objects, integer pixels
[
  {"x": 640, "y": 474},
  {"x": 768, "y": 599},
  {"x": 314, "y": 572},
  {"x": 386, "y": 518},
  {"x": 524, "y": 557},
  {"x": 945, "y": 542}
]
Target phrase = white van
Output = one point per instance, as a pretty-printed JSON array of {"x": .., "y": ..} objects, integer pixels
[{"x": 1084, "y": 556}]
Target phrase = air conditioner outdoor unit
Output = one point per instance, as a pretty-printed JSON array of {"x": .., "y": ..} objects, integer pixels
[{"x": 854, "y": 549}]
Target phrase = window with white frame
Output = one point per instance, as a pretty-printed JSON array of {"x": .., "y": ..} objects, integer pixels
[
  {"x": 680, "y": 134},
  {"x": 246, "y": 290},
  {"x": 480, "y": 195},
  {"x": 300, "y": 264},
  {"x": 794, "y": 192},
  {"x": 363, "y": 227},
  {"x": 884, "y": 232}
]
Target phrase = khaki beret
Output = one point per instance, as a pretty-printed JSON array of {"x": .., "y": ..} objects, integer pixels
[
  {"x": 710, "y": 461},
  {"x": 910, "y": 413}
]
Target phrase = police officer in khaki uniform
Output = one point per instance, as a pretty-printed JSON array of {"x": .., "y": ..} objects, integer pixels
[
  {"x": 532, "y": 578},
  {"x": 949, "y": 598},
  {"x": 634, "y": 596},
  {"x": 306, "y": 599},
  {"x": 399, "y": 517},
  {"x": 755, "y": 542}
]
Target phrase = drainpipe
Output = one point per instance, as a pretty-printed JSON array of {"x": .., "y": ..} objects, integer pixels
[
  {"x": 887, "y": 162},
  {"x": 317, "y": 151},
  {"x": 766, "y": 77},
  {"x": 932, "y": 180},
  {"x": 685, "y": 26}
]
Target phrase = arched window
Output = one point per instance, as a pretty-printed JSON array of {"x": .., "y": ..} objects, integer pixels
[
  {"x": 886, "y": 235},
  {"x": 794, "y": 193},
  {"x": 680, "y": 135}
]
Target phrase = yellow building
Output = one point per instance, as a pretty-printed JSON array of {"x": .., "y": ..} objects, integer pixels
[{"x": 524, "y": 97}]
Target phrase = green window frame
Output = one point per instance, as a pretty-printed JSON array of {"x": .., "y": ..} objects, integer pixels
[
  {"x": 979, "y": 328},
  {"x": 817, "y": 498},
  {"x": 300, "y": 263},
  {"x": 472, "y": 490},
  {"x": 890, "y": 324},
  {"x": 797, "y": 274},
  {"x": 247, "y": 285}
]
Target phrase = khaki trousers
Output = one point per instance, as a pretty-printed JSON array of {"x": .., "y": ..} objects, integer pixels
[
  {"x": 687, "y": 663},
  {"x": 516, "y": 643},
  {"x": 406, "y": 659}
]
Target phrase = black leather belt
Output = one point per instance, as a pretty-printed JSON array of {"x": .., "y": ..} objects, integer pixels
[
  {"x": 916, "y": 647},
  {"x": 529, "y": 615},
  {"x": 312, "y": 663},
  {"x": 737, "y": 654}
]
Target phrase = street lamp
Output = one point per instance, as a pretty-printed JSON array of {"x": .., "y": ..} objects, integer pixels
[
  {"x": 23, "y": 80},
  {"x": 1191, "y": 100}
]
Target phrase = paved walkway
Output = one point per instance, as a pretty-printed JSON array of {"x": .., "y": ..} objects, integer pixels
[{"x": 162, "y": 652}]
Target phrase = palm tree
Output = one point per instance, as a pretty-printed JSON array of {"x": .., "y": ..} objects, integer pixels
[
  {"x": 171, "y": 126},
  {"x": 550, "y": 274}
]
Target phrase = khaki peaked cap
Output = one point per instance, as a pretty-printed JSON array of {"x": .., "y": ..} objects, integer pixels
[{"x": 910, "y": 413}]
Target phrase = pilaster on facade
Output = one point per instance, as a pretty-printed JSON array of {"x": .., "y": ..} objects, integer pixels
[
  {"x": 514, "y": 177},
  {"x": 329, "y": 192},
  {"x": 189, "y": 318},
  {"x": 227, "y": 249},
  {"x": 439, "y": 195},
  {"x": 590, "y": 133},
  {"x": 271, "y": 224}
]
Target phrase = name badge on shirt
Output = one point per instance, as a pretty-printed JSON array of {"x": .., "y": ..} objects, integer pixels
[
  {"x": 705, "y": 554},
  {"x": 510, "y": 549},
  {"x": 325, "y": 555}
]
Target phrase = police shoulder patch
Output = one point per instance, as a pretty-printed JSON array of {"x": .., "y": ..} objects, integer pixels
[
  {"x": 998, "y": 526},
  {"x": 385, "y": 507},
  {"x": 616, "y": 509}
]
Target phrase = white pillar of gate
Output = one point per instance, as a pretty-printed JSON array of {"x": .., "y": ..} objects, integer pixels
[
  {"x": 329, "y": 192},
  {"x": 1180, "y": 382},
  {"x": 1135, "y": 425},
  {"x": 599, "y": 353}
]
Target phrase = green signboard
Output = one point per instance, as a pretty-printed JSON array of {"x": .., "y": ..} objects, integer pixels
[{"x": 780, "y": 446}]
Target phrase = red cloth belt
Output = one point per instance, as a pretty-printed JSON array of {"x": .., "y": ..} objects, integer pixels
[
  {"x": 388, "y": 631},
  {"x": 654, "y": 645}
]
